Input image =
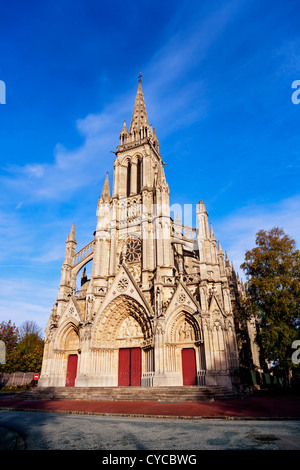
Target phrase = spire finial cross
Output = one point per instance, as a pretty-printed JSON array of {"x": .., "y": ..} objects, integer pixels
[{"x": 140, "y": 76}]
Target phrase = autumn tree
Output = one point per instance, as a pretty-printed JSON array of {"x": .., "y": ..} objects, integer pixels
[
  {"x": 9, "y": 333},
  {"x": 272, "y": 270},
  {"x": 29, "y": 351},
  {"x": 30, "y": 334},
  {"x": 24, "y": 347}
]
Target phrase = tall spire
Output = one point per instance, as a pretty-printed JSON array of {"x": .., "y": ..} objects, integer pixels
[
  {"x": 139, "y": 116},
  {"x": 105, "y": 196}
]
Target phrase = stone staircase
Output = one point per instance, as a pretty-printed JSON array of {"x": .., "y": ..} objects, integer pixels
[{"x": 157, "y": 394}]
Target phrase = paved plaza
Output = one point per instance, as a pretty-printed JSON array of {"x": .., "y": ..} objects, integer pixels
[{"x": 53, "y": 431}]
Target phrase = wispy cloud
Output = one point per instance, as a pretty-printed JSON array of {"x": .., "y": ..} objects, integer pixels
[
  {"x": 178, "y": 61},
  {"x": 30, "y": 299},
  {"x": 70, "y": 171},
  {"x": 167, "y": 101},
  {"x": 237, "y": 231}
]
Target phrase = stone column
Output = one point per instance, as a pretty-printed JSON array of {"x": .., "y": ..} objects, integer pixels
[
  {"x": 122, "y": 180},
  {"x": 84, "y": 362},
  {"x": 159, "y": 377},
  {"x": 133, "y": 182},
  {"x": 208, "y": 347},
  {"x": 48, "y": 359}
]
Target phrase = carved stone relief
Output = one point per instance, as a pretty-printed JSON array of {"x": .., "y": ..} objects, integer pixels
[
  {"x": 185, "y": 332},
  {"x": 130, "y": 329},
  {"x": 130, "y": 333},
  {"x": 72, "y": 341}
]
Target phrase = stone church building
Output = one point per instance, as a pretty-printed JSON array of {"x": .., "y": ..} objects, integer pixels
[{"x": 161, "y": 305}]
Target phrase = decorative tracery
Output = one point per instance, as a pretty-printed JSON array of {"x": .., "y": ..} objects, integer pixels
[{"x": 133, "y": 250}]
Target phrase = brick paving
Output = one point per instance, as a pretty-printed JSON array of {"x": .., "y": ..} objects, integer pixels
[{"x": 252, "y": 407}]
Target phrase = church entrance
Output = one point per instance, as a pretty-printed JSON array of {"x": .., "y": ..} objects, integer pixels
[
  {"x": 189, "y": 366},
  {"x": 129, "y": 367},
  {"x": 71, "y": 370}
]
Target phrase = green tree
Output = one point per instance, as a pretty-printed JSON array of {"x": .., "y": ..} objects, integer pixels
[
  {"x": 30, "y": 335},
  {"x": 272, "y": 270},
  {"x": 9, "y": 333},
  {"x": 29, "y": 350},
  {"x": 24, "y": 347}
]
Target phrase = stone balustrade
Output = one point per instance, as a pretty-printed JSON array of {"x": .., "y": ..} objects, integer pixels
[{"x": 84, "y": 252}]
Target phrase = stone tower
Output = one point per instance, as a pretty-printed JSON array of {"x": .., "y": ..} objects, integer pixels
[{"x": 158, "y": 308}]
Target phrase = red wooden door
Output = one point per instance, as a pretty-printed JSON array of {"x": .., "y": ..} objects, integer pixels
[
  {"x": 129, "y": 367},
  {"x": 71, "y": 370},
  {"x": 189, "y": 366},
  {"x": 135, "y": 370},
  {"x": 124, "y": 367}
]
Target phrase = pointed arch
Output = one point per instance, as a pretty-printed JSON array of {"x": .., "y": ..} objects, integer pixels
[
  {"x": 183, "y": 326},
  {"x": 67, "y": 336},
  {"x": 107, "y": 325}
]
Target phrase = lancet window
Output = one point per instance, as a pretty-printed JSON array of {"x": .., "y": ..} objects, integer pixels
[
  {"x": 139, "y": 175},
  {"x": 128, "y": 179}
]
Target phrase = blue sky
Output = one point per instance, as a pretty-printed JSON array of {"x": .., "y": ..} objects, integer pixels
[{"x": 217, "y": 81}]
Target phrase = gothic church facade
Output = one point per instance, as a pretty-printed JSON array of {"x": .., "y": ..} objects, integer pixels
[{"x": 161, "y": 305}]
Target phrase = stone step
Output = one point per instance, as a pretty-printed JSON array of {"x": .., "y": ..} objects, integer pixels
[{"x": 163, "y": 394}]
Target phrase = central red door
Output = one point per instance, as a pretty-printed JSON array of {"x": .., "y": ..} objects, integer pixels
[
  {"x": 124, "y": 367},
  {"x": 71, "y": 370},
  {"x": 129, "y": 367},
  {"x": 189, "y": 366},
  {"x": 135, "y": 369}
]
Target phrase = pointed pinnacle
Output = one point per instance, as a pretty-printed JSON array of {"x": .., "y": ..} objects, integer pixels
[
  {"x": 161, "y": 178},
  {"x": 139, "y": 115},
  {"x": 105, "y": 196},
  {"x": 178, "y": 221},
  {"x": 201, "y": 207},
  {"x": 212, "y": 235},
  {"x": 72, "y": 233},
  {"x": 124, "y": 128}
]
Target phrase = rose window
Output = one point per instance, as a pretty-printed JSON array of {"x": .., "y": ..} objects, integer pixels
[
  {"x": 122, "y": 284},
  {"x": 134, "y": 250}
]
